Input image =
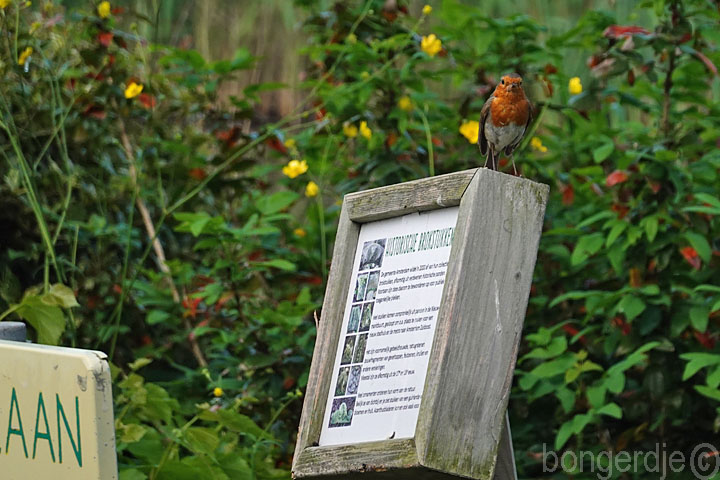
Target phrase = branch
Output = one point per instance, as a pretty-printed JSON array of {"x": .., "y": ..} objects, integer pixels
[{"x": 157, "y": 246}]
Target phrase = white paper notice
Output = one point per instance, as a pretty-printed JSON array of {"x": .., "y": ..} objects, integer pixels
[{"x": 388, "y": 328}]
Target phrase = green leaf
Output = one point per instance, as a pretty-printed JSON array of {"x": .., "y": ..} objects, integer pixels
[
  {"x": 712, "y": 393},
  {"x": 631, "y": 306},
  {"x": 279, "y": 263},
  {"x": 47, "y": 320},
  {"x": 596, "y": 395},
  {"x": 566, "y": 397},
  {"x": 603, "y": 152},
  {"x": 699, "y": 317},
  {"x": 587, "y": 246},
  {"x": 697, "y": 361},
  {"x": 611, "y": 410},
  {"x": 202, "y": 440},
  {"x": 61, "y": 296},
  {"x": 651, "y": 227},
  {"x": 156, "y": 316},
  {"x": 615, "y": 383},
  {"x": 615, "y": 232},
  {"x": 700, "y": 244},
  {"x": 139, "y": 363},
  {"x": 563, "y": 435},
  {"x": 574, "y": 295},
  {"x": 241, "y": 424},
  {"x": 132, "y": 432},
  {"x": 554, "y": 367},
  {"x": 277, "y": 201},
  {"x": 132, "y": 474}
]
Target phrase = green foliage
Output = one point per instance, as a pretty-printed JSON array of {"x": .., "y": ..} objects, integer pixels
[{"x": 164, "y": 229}]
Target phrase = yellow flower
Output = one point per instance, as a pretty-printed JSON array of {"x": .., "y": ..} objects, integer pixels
[
  {"x": 575, "y": 86},
  {"x": 295, "y": 168},
  {"x": 28, "y": 3},
  {"x": 299, "y": 232},
  {"x": 133, "y": 90},
  {"x": 311, "y": 189},
  {"x": 351, "y": 39},
  {"x": 103, "y": 9},
  {"x": 427, "y": 10},
  {"x": 218, "y": 392},
  {"x": 364, "y": 75},
  {"x": 34, "y": 26},
  {"x": 404, "y": 103},
  {"x": 4, "y": 3},
  {"x": 364, "y": 130},
  {"x": 350, "y": 130},
  {"x": 470, "y": 130},
  {"x": 24, "y": 55},
  {"x": 431, "y": 45},
  {"x": 290, "y": 143},
  {"x": 537, "y": 144}
]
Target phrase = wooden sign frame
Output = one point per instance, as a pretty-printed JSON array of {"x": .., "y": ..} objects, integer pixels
[{"x": 461, "y": 419}]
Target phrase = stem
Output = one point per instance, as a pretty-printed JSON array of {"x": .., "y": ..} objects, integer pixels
[
  {"x": 666, "y": 127},
  {"x": 9, "y": 311},
  {"x": 428, "y": 138}
]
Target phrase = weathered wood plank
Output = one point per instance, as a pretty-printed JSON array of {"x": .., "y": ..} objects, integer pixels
[
  {"x": 387, "y": 455},
  {"x": 479, "y": 324},
  {"x": 505, "y": 465},
  {"x": 328, "y": 335},
  {"x": 416, "y": 196}
]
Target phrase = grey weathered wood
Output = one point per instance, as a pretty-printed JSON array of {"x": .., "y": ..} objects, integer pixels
[
  {"x": 479, "y": 323},
  {"x": 462, "y": 411},
  {"x": 417, "y": 196},
  {"x": 328, "y": 334},
  {"x": 505, "y": 466}
]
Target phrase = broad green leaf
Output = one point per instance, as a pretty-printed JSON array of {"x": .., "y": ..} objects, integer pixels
[
  {"x": 700, "y": 244},
  {"x": 61, "y": 296},
  {"x": 712, "y": 393},
  {"x": 611, "y": 410},
  {"x": 615, "y": 232},
  {"x": 240, "y": 423},
  {"x": 699, "y": 317},
  {"x": 651, "y": 227},
  {"x": 596, "y": 395},
  {"x": 47, "y": 320},
  {"x": 563, "y": 435},
  {"x": 140, "y": 363},
  {"x": 202, "y": 440},
  {"x": 615, "y": 383},
  {"x": 697, "y": 361},
  {"x": 586, "y": 247},
  {"x": 631, "y": 306},
  {"x": 279, "y": 263},
  {"x": 156, "y": 316},
  {"x": 554, "y": 367},
  {"x": 557, "y": 346},
  {"x": 574, "y": 295},
  {"x": 132, "y": 432},
  {"x": 269, "y": 204},
  {"x": 566, "y": 397},
  {"x": 132, "y": 474},
  {"x": 603, "y": 152},
  {"x": 594, "y": 218}
]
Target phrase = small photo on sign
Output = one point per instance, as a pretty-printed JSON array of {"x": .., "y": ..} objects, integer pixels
[
  {"x": 341, "y": 412},
  {"x": 372, "y": 285},
  {"x": 359, "y": 355},
  {"x": 354, "y": 381},
  {"x": 372, "y": 254},
  {"x": 342, "y": 381},
  {"x": 348, "y": 350},
  {"x": 360, "y": 287},
  {"x": 354, "y": 322},
  {"x": 366, "y": 317}
]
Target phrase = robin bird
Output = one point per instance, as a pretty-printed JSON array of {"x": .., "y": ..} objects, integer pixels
[{"x": 504, "y": 119}]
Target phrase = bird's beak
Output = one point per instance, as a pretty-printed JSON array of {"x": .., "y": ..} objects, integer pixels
[{"x": 514, "y": 85}]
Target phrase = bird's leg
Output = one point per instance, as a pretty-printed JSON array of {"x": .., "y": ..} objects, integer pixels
[
  {"x": 486, "y": 159},
  {"x": 512, "y": 159}
]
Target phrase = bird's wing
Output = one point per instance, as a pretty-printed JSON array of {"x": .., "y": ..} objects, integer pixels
[
  {"x": 484, "y": 114},
  {"x": 511, "y": 148}
]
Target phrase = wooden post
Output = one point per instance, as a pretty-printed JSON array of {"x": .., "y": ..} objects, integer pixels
[{"x": 462, "y": 412}]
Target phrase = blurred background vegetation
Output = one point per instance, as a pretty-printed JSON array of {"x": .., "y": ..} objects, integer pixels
[{"x": 172, "y": 173}]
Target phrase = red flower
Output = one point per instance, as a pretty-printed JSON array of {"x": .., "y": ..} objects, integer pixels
[
  {"x": 621, "y": 210},
  {"x": 276, "y": 144},
  {"x": 568, "y": 194},
  {"x": 105, "y": 38},
  {"x": 190, "y": 305},
  {"x": 705, "y": 339},
  {"x": 618, "y": 176},
  {"x": 197, "y": 173},
  {"x": 619, "y": 31},
  {"x": 572, "y": 331},
  {"x": 229, "y": 136},
  {"x": 691, "y": 256},
  {"x": 147, "y": 100},
  {"x": 620, "y": 323}
]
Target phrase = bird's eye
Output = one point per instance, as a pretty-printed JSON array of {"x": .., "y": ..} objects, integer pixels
[{"x": 502, "y": 81}]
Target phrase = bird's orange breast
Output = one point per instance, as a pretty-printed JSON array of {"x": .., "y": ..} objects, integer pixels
[{"x": 505, "y": 111}]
